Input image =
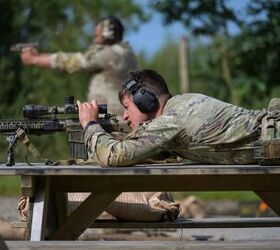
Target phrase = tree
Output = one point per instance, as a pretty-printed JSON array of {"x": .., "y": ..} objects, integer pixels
[
  {"x": 56, "y": 25},
  {"x": 249, "y": 58},
  {"x": 164, "y": 61},
  {"x": 208, "y": 18},
  {"x": 259, "y": 46},
  {"x": 203, "y": 68}
]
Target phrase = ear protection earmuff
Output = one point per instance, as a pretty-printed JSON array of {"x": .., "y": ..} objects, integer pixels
[
  {"x": 108, "y": 30},
  {"x": 143, "y": 98}
]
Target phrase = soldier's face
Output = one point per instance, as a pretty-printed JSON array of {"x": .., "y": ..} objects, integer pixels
[
  {"x": 131, "y": 113},
  {"x": 98, "y": 38}
]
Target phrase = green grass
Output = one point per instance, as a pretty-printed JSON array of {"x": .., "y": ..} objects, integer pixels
[
  {"x": 240, "y": 196},
  {"x": 9, "y": 185}
]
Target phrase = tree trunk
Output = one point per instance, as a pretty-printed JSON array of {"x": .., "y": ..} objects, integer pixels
[
  {"x": 183, "y": 66},
  {"x": 226, "y": 73}
]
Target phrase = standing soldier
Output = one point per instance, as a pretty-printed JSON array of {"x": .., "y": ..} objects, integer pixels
[{"x": 108, "y": 60}]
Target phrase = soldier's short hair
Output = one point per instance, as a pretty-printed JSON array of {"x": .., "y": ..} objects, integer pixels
[
  {"x": 149, "y": 79},
  {"x": 112, "y": 29}
]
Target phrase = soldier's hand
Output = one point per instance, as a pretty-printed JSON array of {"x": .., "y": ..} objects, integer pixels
[
  {"x": 88, "y": 112},
  {"x": 28, "y": 55}
]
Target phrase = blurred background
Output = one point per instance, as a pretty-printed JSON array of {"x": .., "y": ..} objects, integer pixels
[{"x": 228, "y": 49}]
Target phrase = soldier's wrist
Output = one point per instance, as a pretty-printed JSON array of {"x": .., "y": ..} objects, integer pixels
[{"x": 90, "y": 123}]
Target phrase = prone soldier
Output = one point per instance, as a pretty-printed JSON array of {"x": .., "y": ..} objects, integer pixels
[{"x": 191, "y": 126}]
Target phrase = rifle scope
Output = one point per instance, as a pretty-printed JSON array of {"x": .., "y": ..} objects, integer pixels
[{"x": 34, "y": 111}]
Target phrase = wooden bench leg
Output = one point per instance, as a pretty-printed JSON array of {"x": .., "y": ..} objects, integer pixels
[
  {"x": 61, "y": 201},
  {"x": 272, "y": 199},
  {"x": 38, "y": 214},
  {"x": 56, "y": 212},
  {"x": 84, "y": 216}
]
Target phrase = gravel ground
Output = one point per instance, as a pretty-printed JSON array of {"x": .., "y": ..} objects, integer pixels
[
  {"x": 8, "y": 208},
  {"x": 8, "y": 212},
  {"x": 194, "y": 234}
]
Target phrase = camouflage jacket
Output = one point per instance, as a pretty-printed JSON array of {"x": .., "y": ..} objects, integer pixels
[
  {"x": 108, "y": 66},
  {"x": 192, "y": 126}
]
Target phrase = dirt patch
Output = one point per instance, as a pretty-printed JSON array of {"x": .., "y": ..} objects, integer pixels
[{"x": 8, "y": 208}]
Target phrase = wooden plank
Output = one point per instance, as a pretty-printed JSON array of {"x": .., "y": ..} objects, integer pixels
[
  {"x": 264, "y": 180},
  {"x": 52, "y": 221},
  {"x": 143, "y": 183},
  {"x": 190, "y": 223},
  {"x": 56, "y": 212},
  {"x": 40, "y": 206},
  {"x": 84, "y": 216},
  {"x": 146, "y": 245},
  {"x": 272, "y": 199},
  {"x": 19, "y": 224},
  {"x": 151, "y": 169},
  {"x": 193, "y": 223},
  {"x": 27, "y": 186},
  {"x": 61, "y": 202}
]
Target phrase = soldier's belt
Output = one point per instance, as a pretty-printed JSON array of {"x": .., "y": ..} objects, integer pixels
[{"x": 268, "y": 152}]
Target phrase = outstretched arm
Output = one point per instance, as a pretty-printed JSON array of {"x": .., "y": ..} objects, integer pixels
[
  {"x": 31, "y": 56},
  {"x": 71, "y": 62}
]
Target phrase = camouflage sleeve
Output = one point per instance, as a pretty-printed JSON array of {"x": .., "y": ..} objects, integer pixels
[
  {"x": 70, "y": 62},
  {"x": 92, "y": 60},
  {"x": 138, "y": 146}
]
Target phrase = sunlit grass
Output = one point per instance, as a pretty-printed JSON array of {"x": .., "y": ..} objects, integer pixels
[{"x": 9, "y": 185}]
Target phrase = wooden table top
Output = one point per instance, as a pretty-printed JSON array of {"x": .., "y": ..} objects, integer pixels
[{"x": 138, "y": 170}]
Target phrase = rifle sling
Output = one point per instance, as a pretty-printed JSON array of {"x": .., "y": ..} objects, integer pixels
[
  {"x": 24, "y": 139},
  {"x": 71, "y": 161}
]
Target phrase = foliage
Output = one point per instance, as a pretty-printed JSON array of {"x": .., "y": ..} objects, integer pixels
[
  {"x": 251, "y": 54},
  {"x": 248, "y": 58},
  {"x": 202, "y": 17},
  {"x": 9, "y": 185},
  {"x": 164, "y": 61},
  {"x": 204, "y": 74},
  {"x": 259, "y": 46},
  {"x": 57, "y": 25}
]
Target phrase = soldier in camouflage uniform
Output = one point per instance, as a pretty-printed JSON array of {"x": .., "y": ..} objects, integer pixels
[
  {"x": 108, "y": 60},
  {"x": 193, "y": 126}
]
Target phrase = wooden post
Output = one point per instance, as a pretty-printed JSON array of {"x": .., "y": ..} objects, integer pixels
[{"x": 184, "y": 66}]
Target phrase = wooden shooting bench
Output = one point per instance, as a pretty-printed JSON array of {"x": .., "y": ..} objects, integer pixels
[{"x": 47, "y": 186}]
